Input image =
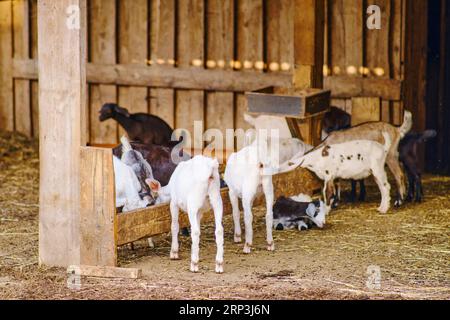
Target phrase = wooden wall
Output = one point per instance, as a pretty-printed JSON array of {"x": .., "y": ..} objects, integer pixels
[{"x": 187, "y": 60}]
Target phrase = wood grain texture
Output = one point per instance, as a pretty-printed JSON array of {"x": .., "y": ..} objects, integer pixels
[
  {"x": 97, "y": 208},
  {"x": 34, "y": 54},
  {"x": 155, "y": 220},
  {"x": 365, "y": 109},
  {"x": 6, "y": 52},
  {"x": 102, "y": 50},
  {"x": 62, "y": 102},
  {"x": 220, "y": 47},
  {"x": 162, "y": 40},
  {"x": 22, "y": 88},
  {"x": 250, "y": 41},
  {"x": 104, "y": 272},
  {"x": 190, "y": 104},
  {"x": 133, "y": 49}
]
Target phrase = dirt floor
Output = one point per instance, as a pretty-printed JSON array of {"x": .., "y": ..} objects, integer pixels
[{"x": 410, "y": 246}]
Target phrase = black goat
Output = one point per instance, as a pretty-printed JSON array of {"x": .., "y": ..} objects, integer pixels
[{"x": 142, "y": 127}]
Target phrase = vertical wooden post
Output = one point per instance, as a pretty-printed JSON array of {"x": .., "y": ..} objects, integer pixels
[
  {"x": 6, "y": 82},
  {"x": 62, "y": 103},
  {"x": 309, "y": 31}
]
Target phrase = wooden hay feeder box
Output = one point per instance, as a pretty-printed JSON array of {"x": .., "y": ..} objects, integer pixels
[{"x": 303, "y": 109}]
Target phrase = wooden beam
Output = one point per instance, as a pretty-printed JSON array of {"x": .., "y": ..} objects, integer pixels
[
  {"x": 97, "y": 208},
  {"x": 155, "y": 220},
  {"x": 6, "y": 53},
  {"x": 104, "y": 272},
  {"x": 348, "y": 87},
  {"x": 62, "y": 103}
]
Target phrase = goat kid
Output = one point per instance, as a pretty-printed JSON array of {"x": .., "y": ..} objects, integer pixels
[
  {"x": 191, "y": 183},
  {"x": 356, "y": 159},
  {"x": 249, "y": 171},
  {"x": 299, "y": 212},
  {"x": 143, "y": 127}
]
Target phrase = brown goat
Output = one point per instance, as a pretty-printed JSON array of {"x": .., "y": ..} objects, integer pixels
[{"x": 374, "y": 131}]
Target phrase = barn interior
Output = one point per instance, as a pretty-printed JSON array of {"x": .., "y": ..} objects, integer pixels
[{"x": 195, "y": 60}]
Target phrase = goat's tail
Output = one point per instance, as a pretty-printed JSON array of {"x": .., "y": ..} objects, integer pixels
[
  {"x": 126, "y": 146},
  {"x": 407, "y": 124}
]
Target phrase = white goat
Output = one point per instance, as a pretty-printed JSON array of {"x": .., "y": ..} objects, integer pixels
[
  {"x": 190, "y": 184},
  {"x": 355, "y": 159},
  {"x": 127, "y": 187},
  {"x": 246, "y": 172}
]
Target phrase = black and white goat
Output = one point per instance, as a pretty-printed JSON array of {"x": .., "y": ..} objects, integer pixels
[{"x": 299, "y": 212}]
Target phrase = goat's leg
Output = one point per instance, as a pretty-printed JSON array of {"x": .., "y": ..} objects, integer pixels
[
  {"x": 419, "y": 191},
  {"x": 411, "y": 186},
  {"x": 327, "y": 194},
  {"x": 385, "y": 188},
  {"x": 216, "y": 203},
  {"x": 362, "y": 190},
  {"x": 175, "y": 227},
  {"x": 194, "y": 220},
  {"x": 236, "y": 216},
  {"x": 268, "y": 193},
  {"x": 353, "y": 192},
  {"x": 247, "y": 202},
  {"x": 394, "y": 166}
]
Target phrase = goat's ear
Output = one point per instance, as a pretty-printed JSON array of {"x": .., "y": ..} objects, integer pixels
[
  {"x": 122, "y": 111},
  {"x": 154, "y": 185}
]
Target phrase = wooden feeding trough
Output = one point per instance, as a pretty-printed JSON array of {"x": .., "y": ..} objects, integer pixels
[
  {"x": 303, "y": 109},
  {"x": 103, "y": 230}
]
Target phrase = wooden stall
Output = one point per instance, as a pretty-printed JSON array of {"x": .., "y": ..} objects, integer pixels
[{"x": 193, "y": 59}]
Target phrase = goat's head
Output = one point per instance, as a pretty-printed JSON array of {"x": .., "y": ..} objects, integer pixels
[
  {"x": 317, "y": 211},
  {"x": 110, "y": 109},
  {"x": 143, "y": 171}
]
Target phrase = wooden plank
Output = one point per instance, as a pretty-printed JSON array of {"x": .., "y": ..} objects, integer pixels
[
  {"x": 365, "y": 109},
  {"x": 220, "y": 23},
  {"x": 162, "y": 100},
  {"x": 6, "y": 53},
  {"x": 133, "y": 49},
  {"x": 348, "y": 87},
  {"x": 102, "y": 22},
  {"x": 180, "y": 78},
  {"x": 62, "y": 101},
  {"x": 155, "y": 220},
  {"x": 104, "y": 272},
  {"x": 249, "y": 47},
  {"x": 34, "y": 54},
  {"x": 398, "y": 53},
  {"x": 97, "y": 208},
  {"x": 190, "y": 104},
  {"x": 22, "y": 88},
  {"x": 347, "y": 35},
  {"x": 308, "y": 43}
]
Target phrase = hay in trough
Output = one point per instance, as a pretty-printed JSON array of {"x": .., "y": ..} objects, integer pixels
[{"x": 411, "y": 247}]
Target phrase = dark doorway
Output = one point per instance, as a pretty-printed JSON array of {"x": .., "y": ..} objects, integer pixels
[{"x": 437, "y": 154}]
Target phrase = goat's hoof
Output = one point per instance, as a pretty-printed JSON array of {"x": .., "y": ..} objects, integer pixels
[
  {"x": 247, "y": 248},
  {"x": 174, "y": 255},
  {"x": 219, "y": 267},
  {"x": 398, "y": 203},
  {"x": 271, "y": 246},
  {"x": 418, "y": 200},
  {"x": 383, "y": 209},
  {"x": 151, "y": 244},
  {"x": 194, "y": 266},
  {"x": 237, "y": 239}
]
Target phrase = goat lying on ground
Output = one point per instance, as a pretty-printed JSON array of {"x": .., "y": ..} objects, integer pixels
[
  {"x": 299, "y": 212},
  {"x": 356, "y": 159},
  {"x": 247, "y": 172},
  {"x": 375, "y": 131},
  {"x": 190, "y": 184},
  {"x": 146, "y": 128}
]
